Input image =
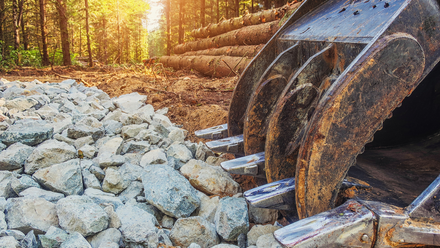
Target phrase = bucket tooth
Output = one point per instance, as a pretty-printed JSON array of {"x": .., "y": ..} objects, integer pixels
[
  {"x": 349, "y": 225},
  {"x": 214, "y": 133},
  {"x": 277, "y": 195},
  {"x": 232, "y": 144},
  {"x": 281, "y": 194},
  {"x": 247, "y": 165}
]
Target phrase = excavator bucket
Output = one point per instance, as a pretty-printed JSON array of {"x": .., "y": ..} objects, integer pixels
[{"x": 344, "y": 91}]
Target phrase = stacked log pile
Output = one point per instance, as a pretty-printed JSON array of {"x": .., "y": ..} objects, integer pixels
[{"x": 226, "y": 48}]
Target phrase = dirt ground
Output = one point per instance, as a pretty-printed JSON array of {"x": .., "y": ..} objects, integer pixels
[{"x": 193, "y": 100}]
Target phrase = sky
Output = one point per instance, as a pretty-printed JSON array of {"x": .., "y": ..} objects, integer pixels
[{"x": 154, "y": 14}]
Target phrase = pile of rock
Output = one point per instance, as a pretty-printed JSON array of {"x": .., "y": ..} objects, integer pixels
[{"x": 78, "y": 169}]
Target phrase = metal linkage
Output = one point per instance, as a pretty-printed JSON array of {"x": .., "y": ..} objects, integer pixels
[
  {"x": 232, "y": 144},
  {"x": 247, "y": 165},
  {"x": 370, "y": 224},
  {"x": 214, "y": 133}
]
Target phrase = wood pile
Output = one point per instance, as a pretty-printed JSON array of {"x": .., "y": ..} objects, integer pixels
[{"x": 225, "y": 48}]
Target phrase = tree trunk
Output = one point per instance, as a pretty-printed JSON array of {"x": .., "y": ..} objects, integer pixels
[
  {"x": 180, "y": 21},
  {"x": 233, "y": 51},
  {"x": 202, "y": 12},
  {"x": 218, "y": 9},
  {"x": 246, "y": 20},
  {"x": 104, "y": 39},
  {"x": 45, "y": 55},
  {"x": 168, "y": 17},
  {"x": 249, "y": 35},
  {"x": 237, "y": 8},
  {"x": 89, "y": 49},
  {"x": 215, "y": 66},
  {"x": 61, "y": 6},
  {"x": 23, "y": 28},
  {"x": 17, "y": 11},
  {"x": 118, "y": 58},
  {"x": 227, "y": 9}
]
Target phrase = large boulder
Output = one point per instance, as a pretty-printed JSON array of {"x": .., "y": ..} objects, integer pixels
[
  {"x": 15, "y": 156},
  {"x": 231, "y": 218},
  {"x": 26, "y": 214},
  {"x": 64, "y": 178},
  {"x": 137, "y": 225},
  {"x": 169, "y": 191},
  {"x": 81, "y": 214},
  {"x": 194, "y": 230},
  {"x": 31, "y": 133},
  {"x": 48, "y": 153},
  {"x": 212, "y": 180}
]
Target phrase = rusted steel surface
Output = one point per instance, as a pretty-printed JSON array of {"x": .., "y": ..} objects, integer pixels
[
  {"x": 250, "y": 78},
  {"x": 350, "y": 113}
]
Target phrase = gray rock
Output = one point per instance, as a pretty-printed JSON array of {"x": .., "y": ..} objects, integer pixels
[
  {"x": 163, "y": 238},
  {"x": 146, "y": 113},
  {"x": 136, "y": 146},
  {"x": 149, "y": 135},
  {"x": 225, "y": 246},
  {"x": 112, "y": 146},
  {"x": 268, "y": 241},
  {"x": 82, "y": 130},
  {"x": 216, "y": 161},
  {"x": 62, "y": 138},
  {"x": 3, "y": 203},
  {"x": 6, "y": 190},
  {"x": 88, "y": 151},
  {"x": 194, "y": 245},
  {"x": 29, "y": 241},
  {"x": 132, "y": 191},
  {"x": 61, "y": 122},
  {"x": 194, "y": 230},
  {"x": 208, "y": 207},
  {"x": 159, "y": 128},
  {"x": 64, "y": 178},
  {"x": 80, "y": 142},
  {"x": 203, "y": 152},
  {"x": 48, "y": 153},
  {"x": 53, "y": 237},
  {"x": 28, "y": 133},
  {"x": 98, "y": 172},
  {"x": 262, "y": 215},
  {"x": 167, "y": 221},
  {"x": 47, "y": 112},
  {"x": 108, "y": 235},
  {"x": 113, "y": 182},
  {"x": 132, "y": 131},
  {"x": 103, "y": 198},
  {"x": 114, "y": 221},
  {"x": 137, "y": 225},
  {"x": 34, "y": 192},
  {"x": 23, "y": 182},
  {"x": 26, "y": 214},
  {"x": 3, "y": 224},
  {"x": 75, "y": 240},
  {"x": 180, "y": 152},
  {"x": 9, "y": 242},
  {"x": 177, "y": 135},
  {"x": 109, "y": 244},
  {"x": 21, "y": 104},
  {"x": 147, "y": 208},
  {"x": 2, "y": 146},
  {"x": 156, "y": 156},
  {"x": 163, "y": 120},
  {"x": 90, "y": 180},
  {"x": 18, "y": 235},
  {"x": 14, "y": 157},
  {"x": 133, "y": 158},
  {"x": 231, "y": 218},
  {"x": 209, "y": 179},
  {"x": 169, "y": 191},
  {"x": 107, "y": 159},
  {"x": 131, "y": 172},
  {"x": 112, "y": 127},
  {"x": 130, "y": 103},
  {"x": 81, "y": 214},
  {"x": 259, "y": 230}
]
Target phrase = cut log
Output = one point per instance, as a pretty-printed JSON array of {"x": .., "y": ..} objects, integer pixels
[
  {"x": 247, "y": 20},
  {"x": 234, "y": 51},
  {"x": 249, "y": 35},
  {"x": 215, "y": 66}
]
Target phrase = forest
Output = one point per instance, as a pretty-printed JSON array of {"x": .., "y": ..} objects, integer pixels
[{"x": 39, "y": 33}]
